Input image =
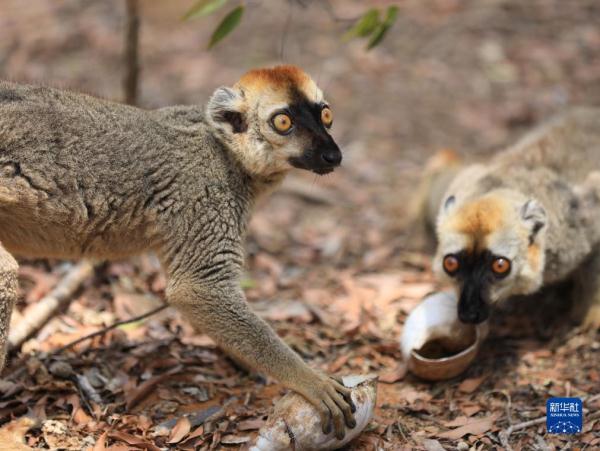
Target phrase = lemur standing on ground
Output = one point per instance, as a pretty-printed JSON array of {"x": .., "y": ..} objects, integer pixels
[
  {"x": 84, "y": 177},
  {"x": 527, "y": 219}
]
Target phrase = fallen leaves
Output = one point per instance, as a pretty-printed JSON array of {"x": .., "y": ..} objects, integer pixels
[
  {"x": 476, "y": 426},
  {"x": 394, "y": 375},
  {"x": 180, "y": 430},
  {"x": 12, "y": 435},
  {"x": 472, "y": 384},
  {"x": 327, "y": 264}
]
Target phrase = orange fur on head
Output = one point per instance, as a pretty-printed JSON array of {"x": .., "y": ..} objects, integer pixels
[
  {"x": 479, "y": 219},
  {"x": 280, "y": 78}
]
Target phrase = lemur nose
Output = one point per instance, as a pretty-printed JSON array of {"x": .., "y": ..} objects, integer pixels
[{"x": 332, "y": 157}]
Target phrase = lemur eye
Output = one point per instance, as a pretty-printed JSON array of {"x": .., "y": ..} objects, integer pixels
[
  {"x": 326, "y": 117},
  {"x": 501, "y": 266},
  {"x": 451, "y": 264},
  {"x": 282, "y": 123}
]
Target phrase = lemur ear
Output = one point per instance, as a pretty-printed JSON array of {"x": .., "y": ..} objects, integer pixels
[
  {"x": 534, "y": 216},
  {"x": 226, "y": 105},
  {"x": 449, "y": 203}
]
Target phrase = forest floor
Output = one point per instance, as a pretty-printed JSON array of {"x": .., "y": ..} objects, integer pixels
[{"x": 331, "y": 265}]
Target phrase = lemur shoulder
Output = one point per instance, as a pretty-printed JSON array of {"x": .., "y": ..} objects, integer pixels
[{"x": 85, "y": 177}]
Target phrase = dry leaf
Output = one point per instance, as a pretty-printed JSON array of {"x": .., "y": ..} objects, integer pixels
[
  {"x": 432, "y": 445},
  {"x": 137, "y": 395},
  {"x": 458, "y": 421},
  {"x": 180, "y": 430},
  {"x": 250, "y": 425},
  {"x": 12, "y": 435},
  {"x": 101, "y": 442},
  {"x": 470, "y": 385},
  {"x": 475, "y": 427},
  {"x": 234, "y": 439},
  {"x": 398, "y": 373},
  {"x": 470, "y": 410},
  {"x": 133, "y": 441}
]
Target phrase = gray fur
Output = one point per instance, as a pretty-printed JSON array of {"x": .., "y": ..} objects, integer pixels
[
  {"x": 85, "y": 177},
  {"x": 551, "y": 178}
]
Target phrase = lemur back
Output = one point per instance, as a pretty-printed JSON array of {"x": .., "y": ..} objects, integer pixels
[
  {"x": 568, "y": 145},
  {"x": 107, "y": 172}
]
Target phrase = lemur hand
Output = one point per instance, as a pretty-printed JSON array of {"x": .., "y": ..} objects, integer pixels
[{"x": 330, "y": 398}]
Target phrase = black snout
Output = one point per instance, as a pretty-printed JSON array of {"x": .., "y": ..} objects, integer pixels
[
  {"x": 473, "y": 306},
  {"x": 332, "y": 157},
  {"x": 474, "y": 316}
]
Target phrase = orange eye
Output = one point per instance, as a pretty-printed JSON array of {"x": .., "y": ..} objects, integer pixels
[
  {"x": 451, "y": 264},
  {"x": 501, "y": 266},
  {"x": 326, "y": 117},
  {"x": 282, "y": 123}
]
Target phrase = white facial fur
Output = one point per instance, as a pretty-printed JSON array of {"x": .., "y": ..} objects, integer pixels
[
  {"x": 256, "y": 98},
  {"x": 506, "y": 224}
]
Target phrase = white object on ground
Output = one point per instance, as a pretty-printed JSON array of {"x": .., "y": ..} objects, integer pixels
[
  {"x": 436, "y": 319},
  {"x": 295, "y": 423}
]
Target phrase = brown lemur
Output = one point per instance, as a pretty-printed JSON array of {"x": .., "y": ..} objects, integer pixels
[
  {"x": 526, "y": 219},
  {"x": 85, "y": 177}
]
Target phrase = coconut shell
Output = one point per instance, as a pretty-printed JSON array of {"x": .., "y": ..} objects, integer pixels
[{"x": 295, "y": 423}]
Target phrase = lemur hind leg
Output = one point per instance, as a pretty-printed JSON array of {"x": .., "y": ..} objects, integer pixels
[
  {"x": 587, "y": 278},
  {"x": 586, "y": 302},
  {"x": 8, "y": 295}
]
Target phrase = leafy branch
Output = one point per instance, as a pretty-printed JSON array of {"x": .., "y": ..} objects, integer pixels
[{"x": 370, "y": 25}]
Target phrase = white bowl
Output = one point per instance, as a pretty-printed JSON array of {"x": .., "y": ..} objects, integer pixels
[{"x": 435, "y": 344}]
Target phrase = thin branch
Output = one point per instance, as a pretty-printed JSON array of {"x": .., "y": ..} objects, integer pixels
[
  {"x": 61, "y": 295},
  {"x": 131, "y": 54},
  {"x": 106, "y": 329},
  {"x": 505, "y": 434}
]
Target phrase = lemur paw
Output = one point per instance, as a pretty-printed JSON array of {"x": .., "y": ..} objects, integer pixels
[
  {"x": 592, "y": 318},
  {"x": 332, "y": 401}
]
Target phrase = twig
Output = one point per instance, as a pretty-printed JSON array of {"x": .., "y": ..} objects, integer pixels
[
  {"x": 505, "y": 434},
  {"x": 40, "y": 313},
  {"x": 108, "y": 328},
  {"x": 87, "y": 392},
  {"x": 131, "y": 59},
  {"x": 508, "y": 403}
]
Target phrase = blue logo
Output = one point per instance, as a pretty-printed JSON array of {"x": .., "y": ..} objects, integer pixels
[{"x": 564, "y": 415}]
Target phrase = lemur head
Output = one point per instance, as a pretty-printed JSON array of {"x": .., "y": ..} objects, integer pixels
[
  {"x": 491, "y": 247},
  {"x": 275, "y": 119}
]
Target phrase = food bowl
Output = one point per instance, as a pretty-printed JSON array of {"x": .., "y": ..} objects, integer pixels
[{"x": 435, "y": 344}]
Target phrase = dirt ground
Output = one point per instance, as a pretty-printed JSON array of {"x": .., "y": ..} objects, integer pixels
[{"x": 331, "y": 262}]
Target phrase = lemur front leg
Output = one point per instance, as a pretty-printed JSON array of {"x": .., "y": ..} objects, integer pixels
[
  {"x": 8, "y": 295},
  {"x": 220, "y": 310}
]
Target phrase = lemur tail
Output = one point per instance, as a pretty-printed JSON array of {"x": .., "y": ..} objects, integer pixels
[{"x": 439, "y": 172}]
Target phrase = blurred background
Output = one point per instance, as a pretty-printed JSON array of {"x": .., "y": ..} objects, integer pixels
[{"x": 331, "y": 261}]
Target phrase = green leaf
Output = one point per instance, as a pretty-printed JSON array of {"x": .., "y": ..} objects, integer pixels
[
  {"x": 364, "y": 26},
  {"x": 204, "y": 8},
  {"x": 247, "y": 283},
  {"x": 229, "y": 22},
  {"x": 378, "y": 35}
]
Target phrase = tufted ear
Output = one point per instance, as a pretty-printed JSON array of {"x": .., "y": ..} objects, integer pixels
[
  {"x": 226, "y": 106},
  {"x": 534, "y": 217}
]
